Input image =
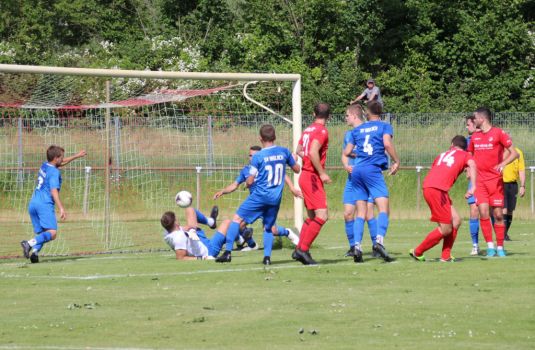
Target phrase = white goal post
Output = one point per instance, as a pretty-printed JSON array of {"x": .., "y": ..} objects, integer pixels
[{"x": 294, "y": 79}]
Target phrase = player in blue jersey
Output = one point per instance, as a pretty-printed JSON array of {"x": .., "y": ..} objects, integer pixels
[
  {"x": 472, "y": 203},
  {"x": 44, "y": 198},
  {"x": 371, "y": 140},
  {"x": 268, "y": 169},
  {"x": 246, "y": 234},
  {"x": 354, "y": 117}
]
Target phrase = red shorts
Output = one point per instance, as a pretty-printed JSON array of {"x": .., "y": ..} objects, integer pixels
[
  {"x": 440, "y": 204},
  {"x": 313, "y": 191},
  {"x": 490, "y": 192}
]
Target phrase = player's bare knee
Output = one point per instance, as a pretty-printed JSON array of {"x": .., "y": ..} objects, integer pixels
[
  {"x": 237, "y": 219},
  {"x": 223, "y": 226},
  {"x": 349, "y": 215},
  {"x": 52, "y": 234},
  {"x": 445, "y": 229},
  {"x": 457, "y": 222}
]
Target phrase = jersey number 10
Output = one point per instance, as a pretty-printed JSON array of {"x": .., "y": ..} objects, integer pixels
[{"x": 275, "y": 177}]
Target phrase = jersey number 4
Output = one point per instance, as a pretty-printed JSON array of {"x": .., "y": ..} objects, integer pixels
[
  {"x": 367, "y": 146},
  {"x": 447, "y": 158}
]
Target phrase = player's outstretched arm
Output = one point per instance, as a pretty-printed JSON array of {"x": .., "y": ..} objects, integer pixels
[
  {"x": 391, "y": 150},
  {"x": 229, "y": 189},
  {"x": 472, "y": 174},
  {"x": 182, "y": 254},
  {"x": 67, "y": 160}
]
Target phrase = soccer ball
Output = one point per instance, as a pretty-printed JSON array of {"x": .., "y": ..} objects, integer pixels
[{"x": 183, "y": 199}]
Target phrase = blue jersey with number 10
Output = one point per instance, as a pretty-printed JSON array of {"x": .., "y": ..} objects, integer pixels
[
  {"x": 368, "y": 140},
  {"x": 269, "y": 167}
]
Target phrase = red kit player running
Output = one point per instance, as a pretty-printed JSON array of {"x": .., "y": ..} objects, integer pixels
[
  {"x": 312, "y": 148},
  {"x": 487, "y": 146},
  {"x": 445, "y": 170}
]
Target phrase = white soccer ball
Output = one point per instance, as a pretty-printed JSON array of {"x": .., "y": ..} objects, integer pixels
[{"x": 183, "y": 199}]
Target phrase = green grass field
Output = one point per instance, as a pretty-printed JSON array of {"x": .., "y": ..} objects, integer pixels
[{"x": 151, "y": 301}]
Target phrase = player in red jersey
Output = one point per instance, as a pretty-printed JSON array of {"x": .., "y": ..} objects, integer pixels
[
  {"x": 445, "y": 170},
  {"x": 487, "y": 146},
  {"x": 312, "y": 148}
]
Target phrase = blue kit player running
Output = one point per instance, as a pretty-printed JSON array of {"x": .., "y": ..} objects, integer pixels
[
  {"x": 44, "y": 198},
  {"x": 246, "y": 233},
  {"x": 354, "y": 118},
  {"x": 471, "y": 201},
  {"x": 371, "y": 140},
  {"x": 268, "y": 166}
]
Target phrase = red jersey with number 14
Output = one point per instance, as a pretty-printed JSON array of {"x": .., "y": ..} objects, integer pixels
[
  {"x": 446, "y": 169},
  {"x": 315, "y": 131},
  {"x": 487, "y": 148}
]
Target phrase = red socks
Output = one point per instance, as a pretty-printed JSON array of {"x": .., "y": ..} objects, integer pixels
[
  {"x": 486, "y": 229},
  {"x": 500, "y": 234},
  {"x": 447, "y": 244},
  {"x": 310, "y": 230},
  {"x": 429, "y": 242}
]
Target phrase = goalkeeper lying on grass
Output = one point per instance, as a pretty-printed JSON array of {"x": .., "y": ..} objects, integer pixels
[{"x": 190, "y": 242}]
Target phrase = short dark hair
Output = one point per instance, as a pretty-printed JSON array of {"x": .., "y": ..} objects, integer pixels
[
  {"x": 168, "y": 221},
  {"x": 267, "y": 133},
  {"x": 375, "y": 108},
  {"x": 459, "y": 141},
  {"x": 255, "y": 148},
  {"x": 53, "y": 152},
  {"x": 470, "y": 117},
  {"x": 322, "y": 110},
  {"x": 485, "y": 112},
  {"x": 357, "y": 110}
]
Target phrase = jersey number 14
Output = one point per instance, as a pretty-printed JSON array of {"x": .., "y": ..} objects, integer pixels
[{"x": 447, "y": 158}]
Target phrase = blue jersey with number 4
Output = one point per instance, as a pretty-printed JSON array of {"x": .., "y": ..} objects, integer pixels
[
  {"x": 368, "y": 140},
  {"x": 48, "y": 178},
  {"x": 269, "y": 167}
]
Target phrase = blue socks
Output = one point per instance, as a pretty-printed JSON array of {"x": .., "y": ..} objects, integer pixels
[
  {"x": 358, "y": 231},
  {"x": 268, "y": 243},
  {"x": 349, "y": 232},
  {"x": 283, "y": 232},
  {"x": 216, "y": 243},
  {"x": 372, "y": 227},
  {"x": 474, "y": 231},
  {"x": 232, "y": 234},
  {"x": 382, "y": 224},
  {"x": 201, "y": 219}
]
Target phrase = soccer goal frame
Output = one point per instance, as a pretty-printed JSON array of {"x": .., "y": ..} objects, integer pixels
[{"x": 295, "y": 80}]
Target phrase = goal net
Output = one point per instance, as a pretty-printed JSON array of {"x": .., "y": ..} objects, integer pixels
[{"x": 147, "y": 136}]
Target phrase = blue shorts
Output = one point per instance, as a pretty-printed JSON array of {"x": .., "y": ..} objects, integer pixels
[
  {"x": 472, "y": 199},
  {"x": 368, "y": 181},
  {"x": 43, "y": 217},
  {"x": 350, "y": 194},
  {"x": 253, "y": 208},
  {"x": 213, "y": 249}
]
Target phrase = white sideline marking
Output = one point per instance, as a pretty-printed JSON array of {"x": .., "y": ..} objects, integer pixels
[
  {"x": 96, "y": 277},
  {"x": 52, "y": 347}
]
